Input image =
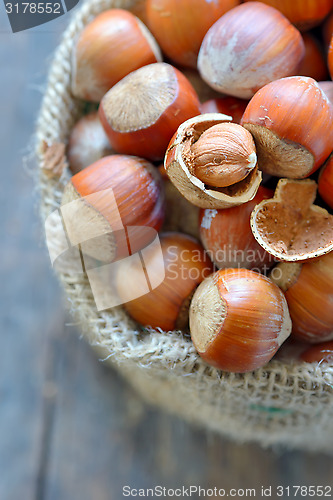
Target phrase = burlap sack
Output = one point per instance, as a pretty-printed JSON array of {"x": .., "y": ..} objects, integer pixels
[{"x": 287, "y": 403}]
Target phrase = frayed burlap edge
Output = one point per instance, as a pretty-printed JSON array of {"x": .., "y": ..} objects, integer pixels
[{"x": 289, "y": 404}]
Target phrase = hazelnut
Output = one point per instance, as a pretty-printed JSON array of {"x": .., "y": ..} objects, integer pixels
[
  {"x": 223, "y": 155},
  {"x": 327, "y": 87},
  {"x": 325, "y": 182},
  {"x": 319, "y": 353},
  {"x": 231, "y": 106},
  {"x": 313, "y": 64},
  {"x": 330, "y": 58},
  {"x": 248, "y": 47},
  {"x": 109, "y": 48},
  {"x": 308, "y": 289},
  {"x": 111, "y": 195},
  {"x": 142, "y": 112},
  {"x": 227, "y": 237},
  {"x": 291, "y": 120},
  {"x": 238, "y": 320},
  {"x": 179, "y": 26},
  {"x": 165, "y": 306},
  {"x": 305, "y": 14},
  {"x": 87, "y": 143}
]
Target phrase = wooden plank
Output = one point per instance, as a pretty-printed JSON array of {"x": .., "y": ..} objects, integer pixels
[
  {"x": 30, "y": 301},
  {"x": 106, "y": 438}
]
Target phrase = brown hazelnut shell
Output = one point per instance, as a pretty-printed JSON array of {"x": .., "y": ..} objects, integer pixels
[
  {"x": 87, "y": 143},
  {"x": 142, "y": 111},
  {"x": 110, "y": 47},
  {"x": 308, "y": 289},
  {"x": 114, "y": 193},
  {"x": 289, "y": 226},
  {"x": 248, "y": 47},
  {"x": 238, "y": 320},
  {"x": 319, "y": 353},
  {"x": 166, "y": 306},
  {"x": 304, "y": 14},
  {"x": 181, "y": 215},
  {"x": 325, "y": 182},
  {"x": 327, "y": 87},
  {"x": 227, "y": 237},
  {"x": 291, "y": 120}
]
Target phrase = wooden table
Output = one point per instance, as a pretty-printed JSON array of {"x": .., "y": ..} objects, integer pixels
[{"x": 70, "y": 428}]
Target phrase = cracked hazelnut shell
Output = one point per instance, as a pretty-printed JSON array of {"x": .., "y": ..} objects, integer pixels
[
  {"x": 178, "y": 164},
  {"x": 289, "y": 226}
]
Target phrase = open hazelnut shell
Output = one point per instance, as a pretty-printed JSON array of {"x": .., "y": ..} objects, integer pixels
[
  {"x": 192, "y": 188},
  {"x": 289, "y": 226}
]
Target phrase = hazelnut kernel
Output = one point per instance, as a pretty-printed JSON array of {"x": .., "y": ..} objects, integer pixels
[{"x": 223, "y": 155}]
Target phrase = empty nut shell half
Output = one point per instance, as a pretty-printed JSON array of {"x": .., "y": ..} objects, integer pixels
[{"x": 289, "y": 226}]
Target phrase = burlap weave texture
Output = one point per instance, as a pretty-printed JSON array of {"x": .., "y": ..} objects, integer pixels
[{"x": 287, "y": 403}]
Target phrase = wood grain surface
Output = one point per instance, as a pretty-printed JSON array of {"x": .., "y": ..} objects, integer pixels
[{"x": 70, "y": 428}]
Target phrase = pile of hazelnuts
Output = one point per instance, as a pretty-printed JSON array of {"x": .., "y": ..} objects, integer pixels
[{"x": 220, "y": 150}]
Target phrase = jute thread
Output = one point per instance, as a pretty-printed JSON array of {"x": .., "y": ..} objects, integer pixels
[{"x": 285, "y": 403}]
